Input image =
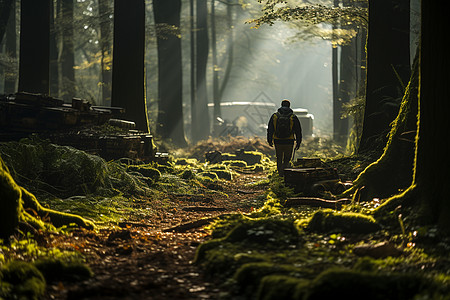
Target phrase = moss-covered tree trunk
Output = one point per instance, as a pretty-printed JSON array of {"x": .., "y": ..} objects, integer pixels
[
  {"x": 432, "y": 162},
  {"x": 393, "y": 170},
  {"x": 15, "y": 201}
]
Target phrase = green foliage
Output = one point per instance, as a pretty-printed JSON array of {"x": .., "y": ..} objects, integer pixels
[{"x": 274, "y": 10}]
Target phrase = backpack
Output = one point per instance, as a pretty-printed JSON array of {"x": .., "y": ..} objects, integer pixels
[{"x": 283, "y": 127}]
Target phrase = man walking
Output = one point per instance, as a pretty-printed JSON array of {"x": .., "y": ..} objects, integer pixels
[{"x": 284, "y": 128}]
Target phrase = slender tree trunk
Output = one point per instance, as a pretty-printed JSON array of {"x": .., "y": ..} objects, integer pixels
[
  {"x": 67, "y": 59},
  {"x": 11, "y": 51},
  {"x": 215, "y": 66},
  {"x": 388, "y": 64},
  {"x": 347, "y": 80},
  {"x": 104, "y": 11},
  {"x": 54, "y": 36},
  {"x": 230, "y": 49},
  {"x": 128, "y": 86},
  {"x": 5, "y": 13},
  {"x": 337, "y": 107},
  {"x": 170, "y": 81},
  {"x": 203, "y": 125},
  {"x": 34, "y": 46},
  {"x": 194, "y": 119}
]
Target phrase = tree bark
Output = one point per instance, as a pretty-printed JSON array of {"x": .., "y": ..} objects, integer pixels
[
  {"x": 34, "y": 46},
  {"x": 67, "y": 58},
  {"x": 11, "y": 51},
  {"x": 104, "y": 12},
  {"x": 128, "y": 86},
  {"x": 431, "y": 174},
  {"x": 193, "y": 70},
  {"x": 170, "y": 81},
  {"x": 54, "y": 53},
  {"x": 387, "y": 68},
  {"x": 5, "y": 13},
  {"x": 202, "y": 123},
  {"x": 215, "y": 64},
  {"x": 337, "y": 106}
]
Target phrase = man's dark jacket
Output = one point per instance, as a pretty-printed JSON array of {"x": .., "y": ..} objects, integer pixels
[{"x": 297, "y": 129}]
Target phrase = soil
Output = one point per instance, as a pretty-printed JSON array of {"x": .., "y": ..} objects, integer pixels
[{"x": 153, "y": 258}]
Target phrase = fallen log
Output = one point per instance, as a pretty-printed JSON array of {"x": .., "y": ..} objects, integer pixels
[{"x": 316, "y": 202}]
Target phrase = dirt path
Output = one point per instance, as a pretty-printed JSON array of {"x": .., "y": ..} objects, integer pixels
[{"x": 145, "y": 259}]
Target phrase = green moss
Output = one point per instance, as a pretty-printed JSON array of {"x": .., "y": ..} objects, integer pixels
[
  {"x": 350, "y": 284},
  {"x": 21, "y": 280},
  {"x": 223, "y": 174},
  {"x": 263, "y": 231},
  {"x": 274, "y": 287},
  {"x": 10, "y": 195},
  {"x": 345, "y": 222},
  {"x": 248, "y": 276},
  {"x": 57, "y": 218},
  {"x": 187, "y": 174},
  {"x": 147, "y": 171},
  {"x": 55, "y": 269},
  {"x": 235, "y": 163},
  {"x": 211, "y": 175}
]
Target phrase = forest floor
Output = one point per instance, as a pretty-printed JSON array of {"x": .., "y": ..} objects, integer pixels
[
  {"x": 152, "y": 258},
  {"x": 152, "y": 221}
]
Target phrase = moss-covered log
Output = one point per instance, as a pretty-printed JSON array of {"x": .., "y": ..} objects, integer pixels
[{"x": 18, "y": 205}]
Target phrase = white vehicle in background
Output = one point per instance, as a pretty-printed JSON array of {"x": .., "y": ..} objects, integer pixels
[
  {"x": 306, "y": 121},
  {"x": 251, "y": 118}
]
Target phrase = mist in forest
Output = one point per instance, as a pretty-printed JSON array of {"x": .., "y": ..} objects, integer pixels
[{"x": 299, "y": 71}]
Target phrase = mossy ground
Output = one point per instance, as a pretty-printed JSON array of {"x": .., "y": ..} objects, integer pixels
[
  {"x": 308, "y": 253},
  {"x": 264, "y": 252}
]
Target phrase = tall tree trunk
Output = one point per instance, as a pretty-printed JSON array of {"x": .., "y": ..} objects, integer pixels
[
  {"x": 104, "y": 11},
  {"x": 170, "y": 81},
  {"x": 193, "y": 35},
  {"x": 347, "y": 79},
  {"x": 11, "y": 51},
  {"x": 34, "y": 46},
  {"x": 431, "y": 174},
  {"x": 128, "y": 86},
  {"x": 54, "y": 53},
  {"x": 67, "y": 59},
  {"x": 230, "y": 49},
  {"x": 5, "y": 13},
  {"x": 202, "y": 129},
  {"x": 337, "y": 107},
  {"x": 215, "y": 66},
  {"x": 388, "y": 68}
]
